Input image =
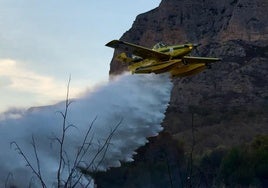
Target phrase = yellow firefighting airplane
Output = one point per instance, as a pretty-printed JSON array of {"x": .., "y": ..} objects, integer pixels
[{"x": 161, "y": 58}]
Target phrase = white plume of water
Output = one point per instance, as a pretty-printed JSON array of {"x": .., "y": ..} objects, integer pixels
[{"x": 134, "y": 103}]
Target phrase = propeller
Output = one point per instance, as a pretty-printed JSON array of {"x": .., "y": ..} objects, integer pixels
[
  {"x": 195, "y": 48},
  {"x": 195, "y": 45},
  {"x": 192, "y": 47}
]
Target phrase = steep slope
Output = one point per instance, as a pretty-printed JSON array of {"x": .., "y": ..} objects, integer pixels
[
  {"x": 221, "y": 108},
  {"x": 230, "y": 100}
]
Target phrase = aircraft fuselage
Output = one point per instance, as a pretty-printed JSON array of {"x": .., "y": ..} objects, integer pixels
[
  {"x": 161, "y": 58},
  {"x": 176, "y": 51}
]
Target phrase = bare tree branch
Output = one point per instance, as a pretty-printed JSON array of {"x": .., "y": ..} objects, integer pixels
[
  {"x": 82, "y": 150},
  {"x": 18, "y": 149},
  {"x": 107, "y": 143},
  {"x": 9, "y": 176},
  {"x": 37, "y": 161},
  {"x": 62, "y": 139},
  {"x": 73, "y": 167},
  {"x": 104, "y": 148}
]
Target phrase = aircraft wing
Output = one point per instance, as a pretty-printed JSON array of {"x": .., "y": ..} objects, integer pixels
[
  {"x": 137, "y": 50},
  {"x": 195, "y": 60}
]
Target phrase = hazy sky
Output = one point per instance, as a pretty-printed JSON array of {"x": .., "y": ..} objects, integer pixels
[{"x": 43, "y": 42}]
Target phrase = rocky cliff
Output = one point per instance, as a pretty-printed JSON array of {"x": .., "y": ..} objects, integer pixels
[
  {"x": 223, "y": 107},
  {"x": 206, "y": 22},
  {"x": 230, "y": 100}
]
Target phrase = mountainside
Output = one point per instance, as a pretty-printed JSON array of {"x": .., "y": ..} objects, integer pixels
[
  {"x": 228, "y": 104},
  {"x": 206, "y": 22},
  {"x": 234, "y": 93}
]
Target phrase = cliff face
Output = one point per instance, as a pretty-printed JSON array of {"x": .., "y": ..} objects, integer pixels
[
  {"x": 230, "y": 100},
  {"x": 206, "y": 21},
  {"x": 211, "y": 112}
]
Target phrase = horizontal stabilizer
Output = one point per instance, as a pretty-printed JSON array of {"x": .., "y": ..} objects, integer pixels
[{"x": 122, "y": 57}]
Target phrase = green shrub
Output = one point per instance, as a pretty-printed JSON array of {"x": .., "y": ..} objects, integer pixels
[{"x": 247, "y": 165}]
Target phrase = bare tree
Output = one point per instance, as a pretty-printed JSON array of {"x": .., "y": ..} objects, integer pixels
[{"x": 75, "y": 166}]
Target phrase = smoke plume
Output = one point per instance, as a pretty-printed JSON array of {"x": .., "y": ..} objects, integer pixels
[{"x": 122, "y": 115}]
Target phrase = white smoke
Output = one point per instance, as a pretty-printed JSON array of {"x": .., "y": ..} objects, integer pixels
[{"x": 136, "y": 103}]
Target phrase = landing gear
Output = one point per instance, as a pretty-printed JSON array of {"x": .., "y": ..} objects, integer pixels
[{"x": 184, "y": 62}]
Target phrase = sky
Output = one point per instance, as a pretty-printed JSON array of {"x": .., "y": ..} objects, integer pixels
[{"x": 43, "y": 43}]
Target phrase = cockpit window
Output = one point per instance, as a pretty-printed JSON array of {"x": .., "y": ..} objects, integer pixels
[{"x": 158, "y": 45}]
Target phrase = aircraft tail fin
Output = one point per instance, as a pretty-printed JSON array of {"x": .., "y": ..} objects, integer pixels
[{"x": 123, "y": 58}]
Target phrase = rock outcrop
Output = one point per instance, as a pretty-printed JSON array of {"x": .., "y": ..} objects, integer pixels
[
  {"x": 229, "y": 101},
  {"x": 211, "y": 112}
]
